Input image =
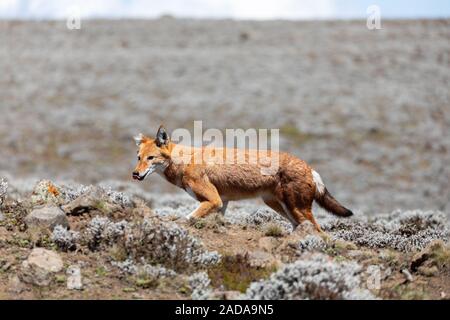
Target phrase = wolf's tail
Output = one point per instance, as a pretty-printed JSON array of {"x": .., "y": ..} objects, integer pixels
[{"x": 326, "y": 200}]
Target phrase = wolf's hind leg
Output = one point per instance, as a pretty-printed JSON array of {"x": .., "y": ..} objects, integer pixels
[
  {"x": 306, "y": 214},
  {"x": 224, "y": 207},
  {"x": 276, "y": 206}
]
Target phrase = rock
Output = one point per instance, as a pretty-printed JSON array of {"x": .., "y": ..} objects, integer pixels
[
  {"x": 268, "y": 243},
  {"x": 305, "y": 228},
  {"x": 15, "y": 286},
  {"x": 47, "y": 217},
  {"x": 262, "y": 259},
  {"x": 428, "y": 271},
  {"x": 40, "y": 267},
  {"x": 290, "y": 243},
  {"x": 74, "y": 278},
  {"x": 345, "y": 245},
  {"x": 2, "y": 216},
  {"x": 94, "y": 200},
  {"x": 45, "y": 192},
  {"x": 3, "y": 234},
  {"x": 420, "y": 258},
  {"x": 408, "y": 276},
  {"x": 5, "y": 265},
  {"x": 225, "y": 295}
]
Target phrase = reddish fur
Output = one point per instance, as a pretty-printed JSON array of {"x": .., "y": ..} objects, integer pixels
[{"x": 290, "y": 191}]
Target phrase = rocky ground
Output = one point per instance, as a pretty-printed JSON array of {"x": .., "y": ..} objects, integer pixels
[{"x": 69, "y": 241}]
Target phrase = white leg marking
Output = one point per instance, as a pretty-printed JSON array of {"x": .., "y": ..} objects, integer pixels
[{"x": 192, "y": 214}]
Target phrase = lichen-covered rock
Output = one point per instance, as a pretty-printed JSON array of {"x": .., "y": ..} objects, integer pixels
[
  {"x": 40, "y": 267},
  {"x": 71, "y": 192},
  {"x": 88, "y": 197},
  {"x": 315, "y": 276},
  {"x": 45, "y": 192},
  {"x": 46, "y": 217}
]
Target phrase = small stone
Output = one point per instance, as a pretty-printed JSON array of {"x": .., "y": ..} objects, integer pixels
[
  {"x": 225, "y": 295},
  {"x": 408, "y": 276},
  {"x": 40, "y": 267},
  {"x": 268, "y": 243},
  {"x": 2, "y": 216},
  {"x": 6, "y": 266},
  {"x": 74, "y": 278},
  {"x": 428, "y": 271},
  {"x": 16, "y": 286},
  {"x": 262, "y": 259},
  {"x": 47, "y": 217},
  {"x": 3, "y": 234}
]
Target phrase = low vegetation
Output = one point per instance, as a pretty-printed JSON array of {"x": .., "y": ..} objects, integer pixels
[{"x": 125, "y": 249}]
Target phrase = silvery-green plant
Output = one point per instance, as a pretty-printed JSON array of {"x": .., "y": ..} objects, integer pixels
[
  {"x": 64, "y": 239},
  {"x": 312, "y": 243},
  {"x": 312, "y": 277},
  {"x": 401, "y": 230},
  {"x": 101, "y": 230},
  {"x": 199, "y": 283},
  {"x": 131, "y": 267},
  {"x": 168, "y": 244}
]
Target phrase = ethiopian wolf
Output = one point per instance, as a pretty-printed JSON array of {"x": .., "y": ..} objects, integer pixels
[{"x": 289, "y": 190}]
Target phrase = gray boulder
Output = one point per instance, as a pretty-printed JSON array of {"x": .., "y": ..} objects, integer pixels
[
  {"x": 47, "y": 217},
  {"x": 40, "y": 267}
]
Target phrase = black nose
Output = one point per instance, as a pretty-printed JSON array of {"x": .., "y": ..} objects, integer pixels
[{"x": 136, "y": 175}]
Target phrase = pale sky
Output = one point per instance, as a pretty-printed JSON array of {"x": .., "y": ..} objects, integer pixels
[{"x": 237, "y": 9}]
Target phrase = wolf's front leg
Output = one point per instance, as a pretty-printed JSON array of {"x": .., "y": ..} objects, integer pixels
[
  {"x": 203, "y": 209},
  {"x": 208, "y": 196}
]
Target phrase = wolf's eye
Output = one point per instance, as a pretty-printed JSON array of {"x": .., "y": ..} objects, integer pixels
[
  {"x": 150, "y": 158},
  {"x": 139, "y": 158}
]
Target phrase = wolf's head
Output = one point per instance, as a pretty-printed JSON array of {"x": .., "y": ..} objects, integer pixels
[{"x": 153, "y": 154}]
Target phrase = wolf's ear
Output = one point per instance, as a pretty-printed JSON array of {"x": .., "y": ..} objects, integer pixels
[
  {"x": 139, "y": 139},
  {"x": 162, "y": 138}
]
